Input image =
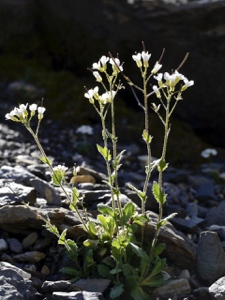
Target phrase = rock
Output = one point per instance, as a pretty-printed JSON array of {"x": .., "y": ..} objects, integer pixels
[
  {"x": 93, "y": 285},
  {"x": 185, "y": 225},
  {"x": 18, "y": 174},
  {"x": 206, "y": 191},
  {"x": 215, "y": 215},
  {"x": 30, "y": 239},
  {"x": 8, "y": 266},
  {"x": 15, "y": 193},
  {"x": 31, "y": 256},
  {"x": 14, "y": 286},
  {"x": 46, "y": 191},
  {"x": 210, "y": 257},
  {"x": 15, "y": 245},
  {"x": 178, "y": 287},
  {"x": 53, "y": 286},
  {"x": 77, "y": 296},
  {"x": 179, "y": 248},
  {"x": 3, "y": 245},
  {"x": 217, "y": 289}
]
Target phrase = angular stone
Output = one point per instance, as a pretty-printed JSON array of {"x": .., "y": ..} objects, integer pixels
[
  {"x": 217, "y": 289},
  {"x": 179, "y": 248},
  {"x": 215, "y": 215},
  {"x": 93, "y": 285},
  {"x": 3, "y": 245},
  {"x": 46, "y": 191},
  {"x": 15, "y": 245},
  {"x": 30, "y": 239},
  {"x": 31, "y": 256},
  {"x": 210, "y": 257},
  {"x": 178, "y": 287},
  {"x": 77, "y": 296},
  {"x": 6, "y": 265}
]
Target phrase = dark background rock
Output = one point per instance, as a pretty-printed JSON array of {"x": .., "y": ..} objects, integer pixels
[{"x": 46, "y": 47}]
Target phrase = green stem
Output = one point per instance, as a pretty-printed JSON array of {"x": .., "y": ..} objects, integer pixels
[
  {"x": 53, "y": 172},
  {"x": 114, "y": 143}
]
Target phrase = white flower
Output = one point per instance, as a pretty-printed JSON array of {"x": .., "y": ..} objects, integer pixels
[
  {"x": 41, "y": 111},
  {"x": 156, "y": 68},
  {"x": 115, "y": 65},
  {"x": 21, "y": 110},
  {"x": 107, "y": 97},
  {"x": 208, "y": 152},
  {"x": 91, "y": 94},
  {"x": 101, "y": 65},
  {"x": 11, "y": 115},
  {"x": 137, "y": 59},
  {"x": 33, "y": 107},
  {"x": 58, "y": 174},
  {"x": 85, "y": 129},
  {"x": 156, "y": 90},
  {"x": 145, "y": 56},
  {"x": 60, "y": 168},
  {"x": 187, "y": 83},
  {"x": 97, "y": 76}
]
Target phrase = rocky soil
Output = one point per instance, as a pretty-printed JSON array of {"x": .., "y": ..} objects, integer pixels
[{"x": 31, "y": 259}]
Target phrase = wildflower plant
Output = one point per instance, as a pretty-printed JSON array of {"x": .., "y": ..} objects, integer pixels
[{"x": 113, "y": 247}]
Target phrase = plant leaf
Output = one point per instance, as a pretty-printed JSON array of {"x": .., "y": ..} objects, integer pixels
[
  {"x": 105, "y": 209},
  {"x": 146, "y": 137},
  {"x": 116, "y": 291},
  {"x": 104, "y": 152},
  {"x": 158, "y": 193},
  {"x": 62, "y": 238}
]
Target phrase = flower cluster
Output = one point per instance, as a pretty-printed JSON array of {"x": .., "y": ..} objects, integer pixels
[
  {"x": 101, "y": 66},
  {"x": 103, "y": 99},
  {"x": 21, "y": 113},
  {"x": 142, "y": 59},
  {"x": 58, "y": 174},
  {"x": 170, "y": 81},
  {"x": 208, "y": 153}
]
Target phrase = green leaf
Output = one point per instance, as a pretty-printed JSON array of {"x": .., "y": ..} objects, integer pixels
[
  {"x": 159, "y": 267},
  {"x": 139, "y": 252},
  {"x": 75, "y": 198},
  {"x": 146, "y": 137},
  {"x": 104, "y": 152},
  {"x": 70, "y": 271},
  {"x": 105, "y": 210},
  {"x": 158, "y": 193},
  {"x": 62, "y": 238},
  {"x": 90, "y": 243},
  {"x": 92, "y": 231},
  {"x": 162, "y": 165},
  {"x": 116, "y": 291},
  {"x": 139, "y": 294},
  {"x": 103, "y": 221},
  {"x": 128, "y": 270},
  {"x": 73, "y": 252},
  {"x": 103, "y": 271},
  {"x": 120, "y": 156},
  {"x": 45, "y": 160},
  {"x": 141, "y": 194},
  {"x": 128, "y": 212},
  {"x": 153, "y": 281},
  {"x": 159, "y": 249}
]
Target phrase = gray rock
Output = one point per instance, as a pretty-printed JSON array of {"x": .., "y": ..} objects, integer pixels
[
  {"x": 8, "y": 266},
  {"x": 3, "y": 245},
  {"x": 15, "y": 193},
  {"x": 93, "y": 285},
  {"x": 15, "y": 245},
  {"x": 217, "y": 289},
  {"x": 77, "y": 296},
  {"x": 216, "y": 215},
  {"x": 18, "y": 174},
  {"x": 178, "y": 287},
  {"x": 30, "y": 239},
  {"x": 185, "y": 225},
  {"x": 210, "y": 257},
  {"x": 206, "y": 191},
  {"x": 179, "y": 248},
  {"x": 31, "y": 256},
  {"x": 14, "y": 287},
  {"x": 46, "y": 191},
  {"x": 56, "y": 286}
]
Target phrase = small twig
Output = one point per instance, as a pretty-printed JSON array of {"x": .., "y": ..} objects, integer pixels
[{"x": 183, "y": 62}]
